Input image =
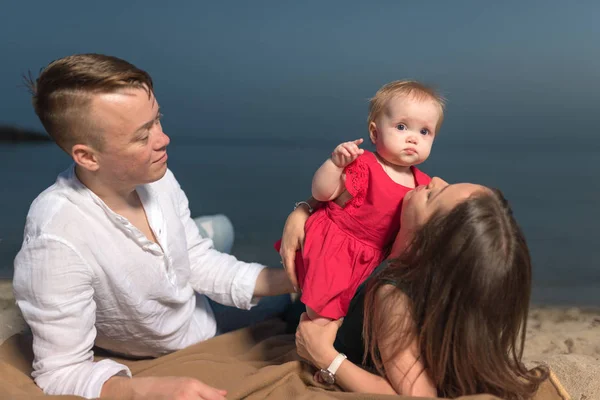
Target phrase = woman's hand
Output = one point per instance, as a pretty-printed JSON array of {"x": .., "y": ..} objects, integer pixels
[
  {"x": 314, "y": 342},
  {"x": 292, "y": 240}
]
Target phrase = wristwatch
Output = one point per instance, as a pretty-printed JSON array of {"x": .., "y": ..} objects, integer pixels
[{"x": 328, "y": 375}]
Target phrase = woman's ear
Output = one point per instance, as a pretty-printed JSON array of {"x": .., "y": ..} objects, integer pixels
[
  {"x": 85, "y": 156},
  {"x": 373, "y": 132}
]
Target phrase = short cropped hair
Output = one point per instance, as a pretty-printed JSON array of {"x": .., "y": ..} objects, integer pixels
[{"x": 63, "y": 92}]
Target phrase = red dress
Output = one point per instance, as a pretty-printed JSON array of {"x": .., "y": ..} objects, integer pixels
[{"x": 344, "y": 245}]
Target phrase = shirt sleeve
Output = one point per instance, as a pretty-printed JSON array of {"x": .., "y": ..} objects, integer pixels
[
  {"x": 53, "y": 289},
  {"x": 220, "y": 276}
]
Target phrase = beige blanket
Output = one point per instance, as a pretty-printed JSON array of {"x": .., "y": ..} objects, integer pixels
[{"x": 254, "y": 363}]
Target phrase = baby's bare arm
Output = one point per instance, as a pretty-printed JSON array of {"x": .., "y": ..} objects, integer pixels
[{"x": 328, "y": 182}]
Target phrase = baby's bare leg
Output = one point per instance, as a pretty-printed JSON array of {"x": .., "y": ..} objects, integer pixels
[{"x": 314, "y": 316}]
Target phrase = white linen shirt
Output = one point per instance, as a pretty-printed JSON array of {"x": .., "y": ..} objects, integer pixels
[{"x": 85, "y": 275}]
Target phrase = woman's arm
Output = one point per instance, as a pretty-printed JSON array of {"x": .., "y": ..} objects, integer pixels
[
  {"x": 353, "y": 378},
  {"x": 292, "y": 238},
  {"x": 405, "y": 374},
  {"x": 327, "y": 183},
  {"x": 314, "y": 343},
  {"x": 401, "y": 361}
]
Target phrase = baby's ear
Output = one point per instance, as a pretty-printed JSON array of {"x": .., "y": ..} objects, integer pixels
[{"x": 373, "y": 132}]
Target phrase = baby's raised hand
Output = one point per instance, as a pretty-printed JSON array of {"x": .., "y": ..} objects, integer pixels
[{"x": 345, "y": 153}]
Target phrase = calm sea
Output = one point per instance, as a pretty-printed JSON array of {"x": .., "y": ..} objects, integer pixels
[{"x": 256, "y": 95}]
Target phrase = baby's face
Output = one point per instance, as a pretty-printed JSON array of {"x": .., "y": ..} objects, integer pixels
[{"x": 404, "y": 133}]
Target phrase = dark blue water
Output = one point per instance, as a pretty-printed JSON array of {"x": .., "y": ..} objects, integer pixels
[{"x": 255, "y": 96}]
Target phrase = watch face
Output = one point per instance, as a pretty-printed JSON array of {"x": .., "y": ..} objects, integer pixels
[{"x": 327, "y": 377}]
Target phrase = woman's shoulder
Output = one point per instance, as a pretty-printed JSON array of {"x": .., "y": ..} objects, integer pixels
[
  {"x": 388, "y": 288},
  {"x": 391, "y": 296}
]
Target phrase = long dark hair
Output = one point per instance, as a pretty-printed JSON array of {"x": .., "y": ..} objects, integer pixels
[{"x": 467, "y": 276}]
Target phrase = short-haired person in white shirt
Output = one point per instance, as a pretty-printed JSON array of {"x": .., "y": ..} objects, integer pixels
[{"x": 111, "y": 256}]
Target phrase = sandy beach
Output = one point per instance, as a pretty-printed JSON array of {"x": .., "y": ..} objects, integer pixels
[
  {"x": 566, "y": 339},
  {"x": 11, "y": 321}
]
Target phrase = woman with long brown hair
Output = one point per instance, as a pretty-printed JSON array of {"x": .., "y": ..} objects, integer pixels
[{"x": 445, "y": 315}]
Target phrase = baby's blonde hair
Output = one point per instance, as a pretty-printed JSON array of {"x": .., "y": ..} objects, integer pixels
[{"x": 405, "y": 88}]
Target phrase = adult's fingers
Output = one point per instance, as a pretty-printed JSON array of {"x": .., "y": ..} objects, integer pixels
[
  {"x": 210, "y": 393},
  {"x": 304, "y": 317}
]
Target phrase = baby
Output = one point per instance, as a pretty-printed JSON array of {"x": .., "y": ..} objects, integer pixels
[{"x": 350, "y": 235}]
